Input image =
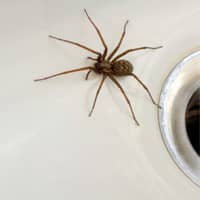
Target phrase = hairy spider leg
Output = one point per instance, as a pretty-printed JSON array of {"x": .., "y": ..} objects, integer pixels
[
  {"x": 65, "y": 72},
  {"x": 125, "y": 96},
  {"x": 97, "y": 94},
  {"x": 77, "y": 44},
  {"x": 87, "y": 75},
  {"x": 94, "y": 59},
  {"x": 99, "y": 34},
  {"x": 146, "y": 88},
  {"x": 119, "y": 43},
  {"x": 131, "y": 50}
]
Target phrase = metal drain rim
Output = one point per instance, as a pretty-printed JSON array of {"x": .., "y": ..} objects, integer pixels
[{"x": 166, "y": 131}]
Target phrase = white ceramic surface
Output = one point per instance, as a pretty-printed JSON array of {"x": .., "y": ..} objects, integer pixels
[{"x": 49, "y": 148}]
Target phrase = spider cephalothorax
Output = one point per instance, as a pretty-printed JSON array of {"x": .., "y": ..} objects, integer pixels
[
  {"x": 103, "y": 67},
  {"x": 107, "y": 66}
]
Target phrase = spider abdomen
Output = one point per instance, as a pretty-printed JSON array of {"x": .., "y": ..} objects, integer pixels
[{"x": 122, "y": 68}]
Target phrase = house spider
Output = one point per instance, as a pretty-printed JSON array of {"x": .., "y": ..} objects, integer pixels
[{"x": 107, "y": 66}]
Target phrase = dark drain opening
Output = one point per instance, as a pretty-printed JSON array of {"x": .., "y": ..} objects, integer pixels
[{"x": 192, "y": 117}]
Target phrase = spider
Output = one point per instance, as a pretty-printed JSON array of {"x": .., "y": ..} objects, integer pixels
[{"x": 107, "y": 66}]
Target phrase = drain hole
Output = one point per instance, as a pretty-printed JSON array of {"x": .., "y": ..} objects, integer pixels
[{"x": 192, "y": 118}]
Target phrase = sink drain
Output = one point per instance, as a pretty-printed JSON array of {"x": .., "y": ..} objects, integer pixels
[
  {"x": 180, "y": 115},
  {"x": 192, "y": 121}
]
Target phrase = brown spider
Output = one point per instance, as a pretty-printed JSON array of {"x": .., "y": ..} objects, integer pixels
[{"x": 107, "y": 65}]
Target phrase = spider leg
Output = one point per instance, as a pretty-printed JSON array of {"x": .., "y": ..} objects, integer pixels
[
  {"x": 125, "y": 96},
  {"x": 65, "y": 72},
  {"x": 87, "y": 75},
  {"x": 119, "y": 43},
  {"x": 94, "y": 59},
  {"x": 99, "y": 34},
  {"x": 77, "y": 44},
  {"x": 97, "y": 93},
  {"x": 146, "y": 88},
  {"x": 131, "y": 50}
]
